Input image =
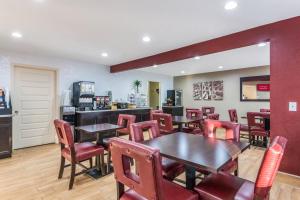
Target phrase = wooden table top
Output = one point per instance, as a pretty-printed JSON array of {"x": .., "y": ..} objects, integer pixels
[
  {"x": 184, "y": 119},
  {"x": 198, "y": 151},
  {"x": 97, "y": 128}
]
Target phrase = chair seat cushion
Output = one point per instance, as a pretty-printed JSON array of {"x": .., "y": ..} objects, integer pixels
[
  {"x": 259, "y": 132},
  {"x": 197, "y": 131},
  {"x": 188, "y": 129},
  {"x": 171, "y": 169},
  {"x": 170, "y": 191},
  {"x": 83, "y": 151},
  {"x": 225, "y": 186}
]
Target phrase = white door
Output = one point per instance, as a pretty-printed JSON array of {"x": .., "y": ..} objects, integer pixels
[{"x": 34, "y": 105}]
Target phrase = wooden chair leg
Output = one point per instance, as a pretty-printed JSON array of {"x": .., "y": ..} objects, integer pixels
[
  {"x": 62, "y": 167},
  {"x": 73, "y": 169},
  {"x": 91, "y": 162}
]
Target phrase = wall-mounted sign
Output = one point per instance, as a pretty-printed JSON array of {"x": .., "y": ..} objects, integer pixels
[{"x": 263, "y": 87}]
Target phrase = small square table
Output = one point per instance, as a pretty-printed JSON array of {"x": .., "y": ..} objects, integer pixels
[
  {"x": 180, "y": 120},
  {"x": 197, "y": 152},
  {"x": 100, "y": 130}
]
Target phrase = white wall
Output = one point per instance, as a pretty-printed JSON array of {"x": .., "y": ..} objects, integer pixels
[
  {"x": 231, "y": 91},
  {"x": 70, "y": 71}
]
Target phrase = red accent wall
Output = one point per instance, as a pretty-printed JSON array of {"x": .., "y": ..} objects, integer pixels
[{"x": 285, "y": 75}]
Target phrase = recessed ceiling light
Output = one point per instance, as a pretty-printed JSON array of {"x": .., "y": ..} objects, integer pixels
[
  {"x": 182, "y": 72},
  {"x": 154, "y": 66},
  {"x": 104, "y": 54},
  {"x": 230, "y": 5},
  {"x": 16, "y": 35},
  {"x": 220, "y": 67},
  {"x": 197, "y": 57},
  {"x": 262, "y": 44},
  {"x": 146, "y": 39}
]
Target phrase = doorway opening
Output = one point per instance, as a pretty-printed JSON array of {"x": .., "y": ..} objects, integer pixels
[{"x": 154, "y": 94}]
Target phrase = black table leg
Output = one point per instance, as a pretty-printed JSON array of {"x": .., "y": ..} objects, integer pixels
[
  {"x": 99, "y": 171},
  {"x": 190, "y": 175},
  {"x": 180, "y": 127}
]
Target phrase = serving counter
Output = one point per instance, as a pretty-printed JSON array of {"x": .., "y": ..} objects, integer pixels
[{"x": 105, "y": 116}]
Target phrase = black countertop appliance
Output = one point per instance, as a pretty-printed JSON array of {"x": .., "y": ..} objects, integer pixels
[{"x": 83, "y": 94}]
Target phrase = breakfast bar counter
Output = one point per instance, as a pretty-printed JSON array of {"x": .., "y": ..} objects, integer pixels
[{"x": 83, "y": 118}]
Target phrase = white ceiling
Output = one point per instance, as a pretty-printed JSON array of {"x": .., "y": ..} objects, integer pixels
[
  {"x": 251, "y": 56},
  {"x": 83, "y": 29}
]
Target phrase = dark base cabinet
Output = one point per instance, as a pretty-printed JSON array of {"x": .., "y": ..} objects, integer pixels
[
  {"x": 173, "y": 110},
  {"x": 5, "y": 137},
  {"x": 83, "y": 118}
]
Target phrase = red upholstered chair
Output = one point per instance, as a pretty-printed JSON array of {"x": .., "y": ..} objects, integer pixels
[
  {"x": 264, "y": 110},
  {"x": 257, "y": 127},
  {"x": 213, "y": 116},
  {"x": 165, "y": 123},
  {"x": 148, "y": 183},
  {"x": 226, "y": 186},
  {"x": 232, "y": 133},
  {"x": 170, "y": 168},
  {"x": 208, "y": 110},
  {"x": 234, "y": 118},
  {"x": 154, "y": 111},
  {"x": 74, "y": 153},
  {"x": 196, "y": 127},
  {"x": 125, "y": 121}
]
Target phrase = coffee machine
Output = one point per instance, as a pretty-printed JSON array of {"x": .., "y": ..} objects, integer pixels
[{"x": 83, "y": 94}]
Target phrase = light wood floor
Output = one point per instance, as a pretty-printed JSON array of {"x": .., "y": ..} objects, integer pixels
[{"x": 32, "y": 174}]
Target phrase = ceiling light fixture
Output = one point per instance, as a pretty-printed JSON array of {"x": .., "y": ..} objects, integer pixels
[
  {"x": 104, "y": 54},
  {"x": 220, "y": 67},
  {"x": 154, "y": 66},
  {"x": 262, "y": 44},
  {"x": 182, "y": 72},
  {"x": 230, "y": 5},
  {"x": 197, "y": 57},
  {"x": 16, "y": 35},
  {"x": 146, "y": 39}
]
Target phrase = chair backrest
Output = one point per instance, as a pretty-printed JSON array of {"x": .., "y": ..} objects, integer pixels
[
  {"x": 264, "y": 110},
  {"x": 213, "y": 116},
  {"x": 126, "y": 120},
  {"x": 137, "y": 129},
  {"x": 153, "y": 112},
  {"x": 148, "y": 182},
  {"x": 194, "y": 113},
  {"x": 208, "y": 110},
  {"x": 269, "y": 167},
  {"x": 64, "y": 133},
  {"x": 232, "y": 129},
  {"x": 255, "y": 120},
  {"x": 233, "y": 115},
  {"x": 164, "y": 121}
]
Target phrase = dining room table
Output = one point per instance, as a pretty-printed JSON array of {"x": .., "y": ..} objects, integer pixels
[
  {"x": 197, "y": 152},
  {"x": 182, "y": 120},
  {"x": 101, "y": 131}
]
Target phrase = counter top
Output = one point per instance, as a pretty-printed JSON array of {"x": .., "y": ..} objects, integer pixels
[
  {"x": 5, "y": 116},
  {"x": 95, "y": 111},
  {"x": 172, "y": 106}
]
